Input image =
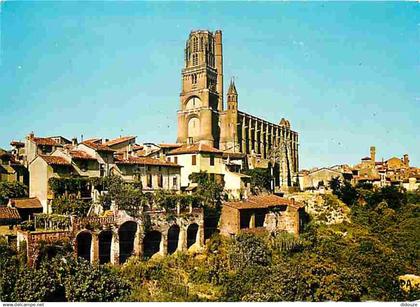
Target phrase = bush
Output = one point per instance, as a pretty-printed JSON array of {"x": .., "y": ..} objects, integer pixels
[
  {"x": 90, "y": 283},
  {"x": 12, "y": 190},
  {"x": 39, "y": 285},
  {"x": 249, "y": 250}
]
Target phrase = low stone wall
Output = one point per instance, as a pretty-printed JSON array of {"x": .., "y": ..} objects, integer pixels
[{"x": 35, "y": 239}]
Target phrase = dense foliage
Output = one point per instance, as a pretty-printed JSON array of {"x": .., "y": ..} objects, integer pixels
[
  {"x": 359, "y": 260},
  {"x": 57, "y": 278},
  {"x": 260, "y": 179},
  {"x": 70, "y": 206},
  {"x": 127, "y": 196},
  {"x": 12, "y": 190},
  {"x": 208, "y": 189}
]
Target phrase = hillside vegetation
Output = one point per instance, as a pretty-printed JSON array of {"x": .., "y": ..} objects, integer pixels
[{"x": 358, "y": 259}]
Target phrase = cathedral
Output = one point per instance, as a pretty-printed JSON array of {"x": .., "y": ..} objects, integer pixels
[{"x": 203, "y": 117}]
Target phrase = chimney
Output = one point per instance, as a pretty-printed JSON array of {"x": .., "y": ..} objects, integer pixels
[
  {"x": 406, "y": 160},
  {"x": 31, "y": 135},
  {"x": 74, "y": 141},
  {"x": 372, "y": 154}
]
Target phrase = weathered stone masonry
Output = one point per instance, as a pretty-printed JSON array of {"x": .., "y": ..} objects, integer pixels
[{"x": 117, "y": 237}]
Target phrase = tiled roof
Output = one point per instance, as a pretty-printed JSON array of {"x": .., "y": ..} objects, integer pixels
[
  {"x": 194, "y": 148},
  {"x": 97, "y": 147},
  {"x": 54, "y": 160},
  {"x": 17, "y": 143},
  {"x": 119, "y": 140},
  {"x": 94, "y": 140},
  {"x": 44, "y": 141},
  {"x": 234, "y": 155},
  {"x": 81, "y": 155},
  {"x": 137, "y": 147},
  {"x": 26, "y": 203},
  {"x": 165, "y": 145},
  {"x": 7, "y": 213},
  {"x": 145, "y": 161},
  {"x": 265, "y": 201}
]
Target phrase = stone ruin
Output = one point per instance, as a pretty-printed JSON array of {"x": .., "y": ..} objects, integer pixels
[{"x": 114, "y": 237}]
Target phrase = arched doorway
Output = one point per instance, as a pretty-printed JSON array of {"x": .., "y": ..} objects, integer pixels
[
  {"x": 192, "y": 234},
  {"x": 151, "y": 243},
  {"x": 173, "y": 239},
  {"x": 105, "y": 240},
  {"x": 127, "y": 234},
  {"x": 84, "y": 243}
]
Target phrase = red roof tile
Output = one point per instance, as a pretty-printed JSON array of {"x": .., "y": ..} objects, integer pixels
[
  {"x": 44, "y": 141},
  {"x": 94, "y": 140},
  {"x": 81, "y": 155},
  {"x": 145, "y": 161},
  {"x": 195, "y": 148},
  {"x": 165, "y": 145},
  {"x": 97, "y": 147},
  {"x": 119, "y": 140},
  {"x": 264, "y": 201},
  {"x": 234, "y": 155},
  {"x": 25, "y": 203},
  {"x": 137, "y": 147},
  {"x": 54, "y": 160},
  {"x": 7, "y": 213},
  {"x": 17, "y": 143}
]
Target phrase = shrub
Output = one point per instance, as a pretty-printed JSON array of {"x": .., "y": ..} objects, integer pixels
[{"x": 248, "y": 250}]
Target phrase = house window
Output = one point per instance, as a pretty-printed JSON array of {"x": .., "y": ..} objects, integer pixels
[
  {"x": 168, "y": 159},
  {"x": 176, "y": 160},
  {"x": 194, "y": 160},
  {"x": 175, "y": 182},
  {"x": 212, "y": 160},
  {"x": 149, "y": 180},
  {"x": 101, "y": 170},
  {"x": 160, "y": 181}
]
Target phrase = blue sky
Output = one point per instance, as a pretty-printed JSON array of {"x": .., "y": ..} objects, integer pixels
[{"x": 345, "y": 74}]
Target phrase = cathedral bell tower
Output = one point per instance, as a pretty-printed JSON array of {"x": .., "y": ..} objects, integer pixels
[{"x": 201, "y": 97}]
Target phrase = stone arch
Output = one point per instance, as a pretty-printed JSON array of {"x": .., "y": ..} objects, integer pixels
[
  {"x": 126, "y": 235},
  {"x": 151, "y": 243},
  {"x": 193, "y": 127},
  {"x": 84, "y": 244},
  {"x": 105, "y": 243},
  {"x": 173, "y": 238},
  {"x": 193, "y": 102},
  {"x": 192, "y": 232}
]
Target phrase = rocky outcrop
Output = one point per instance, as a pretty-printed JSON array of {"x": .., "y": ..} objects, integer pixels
[{"x": 323, "y": 208}]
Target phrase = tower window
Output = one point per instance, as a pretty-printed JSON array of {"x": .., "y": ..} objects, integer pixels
[
  {"x": 195, "y": 59},
  {"x": 194, "y": 78},
  {"x": 195, "y": 44}
]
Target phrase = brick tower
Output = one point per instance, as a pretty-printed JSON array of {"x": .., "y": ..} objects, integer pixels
[{"x": 201, "y": 97}]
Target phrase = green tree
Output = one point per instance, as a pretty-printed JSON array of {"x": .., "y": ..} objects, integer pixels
[
  {"x": 39, "y": 285},
  {"x": 247, "y": 250},
  {"x": 209, "y": 190},
  {"x": 12, "y": 190},
  {"x": 260, "y": 179},
  {"x": 84, "y": 282},
  {"x": 335, "y": 185},
  {"x": 127, "y": 196}
]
